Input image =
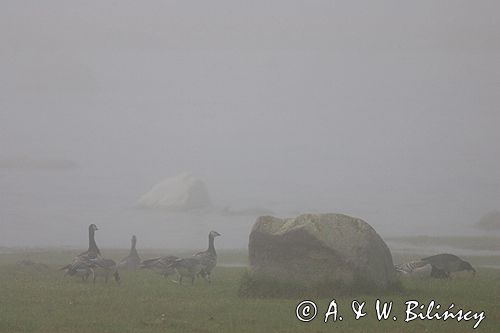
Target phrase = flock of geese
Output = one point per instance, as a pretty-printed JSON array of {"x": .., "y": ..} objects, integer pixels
[{"x": 91, "y": 263}]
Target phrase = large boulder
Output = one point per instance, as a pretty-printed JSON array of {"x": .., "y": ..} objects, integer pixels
[
  {"x": 320, "y": 250},
  {"x": 181, "y": 193}
]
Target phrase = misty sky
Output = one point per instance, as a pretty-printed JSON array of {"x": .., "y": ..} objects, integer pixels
[{"x": 387, "y": 110}]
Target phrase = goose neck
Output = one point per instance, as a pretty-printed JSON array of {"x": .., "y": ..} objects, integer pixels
[
  {"x": 211, "y": 247},
  {"x": 92, "y": 244}
]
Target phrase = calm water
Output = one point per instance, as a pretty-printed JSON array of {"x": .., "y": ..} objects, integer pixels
[{"x": 54, "y": 208}]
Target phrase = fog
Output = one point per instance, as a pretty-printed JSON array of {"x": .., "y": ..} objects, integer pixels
[{"x": 388, "y": 112}]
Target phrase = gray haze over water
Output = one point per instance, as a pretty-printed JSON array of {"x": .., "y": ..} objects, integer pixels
[{"x": 389, "y": 112}]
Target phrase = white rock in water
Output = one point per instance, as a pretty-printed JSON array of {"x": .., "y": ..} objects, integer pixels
[{"x": 181, "y": 193}]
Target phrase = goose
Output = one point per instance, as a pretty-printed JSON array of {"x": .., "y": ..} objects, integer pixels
[
  {"x": 104, "y": 267},
  {"x": 163, "y": 265},
  {"x": 413, "y": 269},
  {"x": 190, "y": 267},
  {"x": 208, "y": 258},
  {"x": 84, "y": 267},
  {"x": 78, "y": 266},
  {"x": 90, "y": 262},
  {"x": 132, "y": 261},
  {"x": 443, "y": 264}
]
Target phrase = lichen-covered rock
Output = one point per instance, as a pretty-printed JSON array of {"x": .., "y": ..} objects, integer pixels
[{"x": 315, "y": 249}]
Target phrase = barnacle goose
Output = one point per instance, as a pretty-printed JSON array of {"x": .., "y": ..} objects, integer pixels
[
  {"x": 443, "y": 264},
  {"x": 78, "y": 266},
  {"x": 132, "y": 261},
  {"x": 90, "y": 262},
  {"x": 208, "y": 258}
]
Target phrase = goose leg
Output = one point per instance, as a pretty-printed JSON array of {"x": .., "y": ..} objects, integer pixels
[{"x": 206, "y": 277}]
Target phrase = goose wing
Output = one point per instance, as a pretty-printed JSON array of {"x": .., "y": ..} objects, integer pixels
[
  {"x": 158, "y": 262},
  {"x": 207, "y": 259},
  {"x": 79, "y": 264},
  {"x": 102, "y": 263},
  {"x": 150, "y": 262},
  {"x": 444, "y": 261},
  {"x": 184, "y": 266},
  {"x": 417, "y": 268}
]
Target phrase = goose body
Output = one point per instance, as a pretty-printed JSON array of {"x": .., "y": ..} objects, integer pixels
[
  {"x": 187, "y": 267},
  {"x": 78, "y": 268},
  {"x": 132, "y": 261},
  {"x": 414, "y": 269},
  {"x": 104, "y": 268},
  {"x": 208, "y": 258},
  {"x": 162, "y": 265},
  {"x": 443, "y": 264}
]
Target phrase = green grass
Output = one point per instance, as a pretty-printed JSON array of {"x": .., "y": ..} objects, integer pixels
[
  {"x": 263, "y": 286},
  {"x": 46, "y": 301}
]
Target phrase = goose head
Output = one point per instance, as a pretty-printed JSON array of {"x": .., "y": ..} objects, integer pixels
[
  {"x": 214, "y": 234},
  {"x": 465, "y": 266},
  {"x": 93, "y": 227}
]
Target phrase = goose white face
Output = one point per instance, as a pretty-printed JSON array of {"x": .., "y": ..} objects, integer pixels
[{"x": 214, "y": 233}]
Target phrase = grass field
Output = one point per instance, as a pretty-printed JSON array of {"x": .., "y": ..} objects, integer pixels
[{"x": 45, "y": 301}]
